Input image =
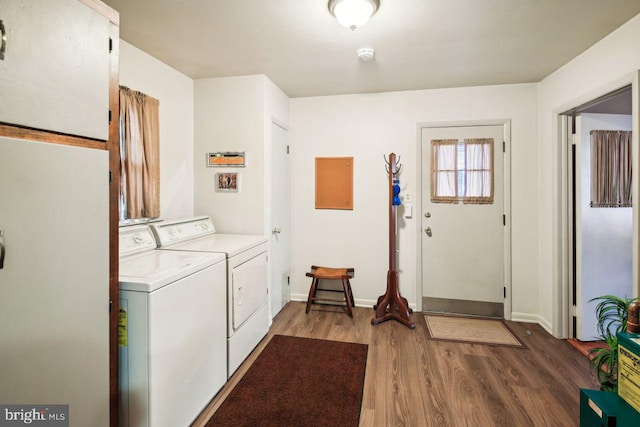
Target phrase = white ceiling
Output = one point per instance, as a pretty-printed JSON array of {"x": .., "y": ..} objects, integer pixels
[{"x": 419, "y": 44}]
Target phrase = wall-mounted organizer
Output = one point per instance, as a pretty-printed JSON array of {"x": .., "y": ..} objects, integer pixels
[{"x": 334, "y": 183}]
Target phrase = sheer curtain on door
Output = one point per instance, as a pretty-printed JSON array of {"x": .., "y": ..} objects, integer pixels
[{"x": 462, "y": 171}]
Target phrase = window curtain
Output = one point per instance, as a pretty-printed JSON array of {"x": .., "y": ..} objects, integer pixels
[
  {"x": 139, "y": 155},
  {"x": 610, "y": 168},
  {"x": 444, "y": 171},
  {"x": 478, "y": 171}
]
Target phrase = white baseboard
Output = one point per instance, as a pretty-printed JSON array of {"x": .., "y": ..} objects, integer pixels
[
  {"x": 532, "y": 318},
  {"x": 516, "y": 317},
  {"x": 359, "y": 302}
]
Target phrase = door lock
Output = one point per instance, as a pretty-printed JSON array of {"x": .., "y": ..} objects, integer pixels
[
  {"x": 428, "y": 231},
  {"x": 427, "y": 214}
]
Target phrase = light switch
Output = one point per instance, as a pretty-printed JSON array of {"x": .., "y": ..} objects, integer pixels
[{"x": 408, "y": 210}]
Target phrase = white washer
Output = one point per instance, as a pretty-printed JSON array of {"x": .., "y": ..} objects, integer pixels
[
  {"x": 247, "y": 278},
  {"x": 172, "y": 331}
]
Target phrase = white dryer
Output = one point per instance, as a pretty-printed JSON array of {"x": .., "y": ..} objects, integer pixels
[
  {"x": 247, "y": 278},
  {"x": 172, "y": 331}
]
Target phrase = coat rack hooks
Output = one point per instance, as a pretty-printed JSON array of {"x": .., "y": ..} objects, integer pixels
[{"x": 388, "y": 167}]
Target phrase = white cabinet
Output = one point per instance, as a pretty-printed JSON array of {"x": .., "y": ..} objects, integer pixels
[
  {"x": 55, "y": 72},
  {"x": 54, "y": 207},
  {"x": 54, "y": 286}
]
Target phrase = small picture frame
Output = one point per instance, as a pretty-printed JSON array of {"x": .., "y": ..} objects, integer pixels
[
  {"x": 227, "y": 182},
  {"x": 226, "y": 159}
]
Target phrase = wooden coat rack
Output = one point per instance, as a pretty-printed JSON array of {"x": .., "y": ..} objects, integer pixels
[{"x": 392, "y": 305}]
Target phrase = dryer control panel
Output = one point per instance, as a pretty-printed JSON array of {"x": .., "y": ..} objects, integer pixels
[{"x": 168, "y": 232}]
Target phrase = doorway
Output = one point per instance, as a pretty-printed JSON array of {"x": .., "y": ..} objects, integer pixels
[
  {"x": 465, "y": 241},
  {"x": 599, "y": 237}
]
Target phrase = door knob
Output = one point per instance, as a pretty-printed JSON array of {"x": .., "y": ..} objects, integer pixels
[
  {"x": 276, "y": 231},
  {"x": 428, "y": 231}
]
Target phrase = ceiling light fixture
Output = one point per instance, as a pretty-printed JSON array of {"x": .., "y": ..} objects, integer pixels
[{"x": 353, "y": 13}]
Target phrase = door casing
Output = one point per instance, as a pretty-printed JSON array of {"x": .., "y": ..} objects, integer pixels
[{"x": 561, "y": 286}]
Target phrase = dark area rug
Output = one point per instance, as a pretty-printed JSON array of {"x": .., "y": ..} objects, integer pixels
[{"x": 298, "y": 382}]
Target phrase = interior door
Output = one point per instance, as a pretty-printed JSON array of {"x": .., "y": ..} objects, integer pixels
[
  {"x": 463, "y": 245},
  {"x": 280, "y": 230},
  {"x": 603, "y": 234},
  {"x": 54, "y": 285}
]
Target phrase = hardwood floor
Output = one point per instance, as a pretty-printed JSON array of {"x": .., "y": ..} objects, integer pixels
[{"x": 414, "y": 381}]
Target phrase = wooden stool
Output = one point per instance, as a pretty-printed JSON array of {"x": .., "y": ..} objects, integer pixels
[{"x": 343, "y": 274}]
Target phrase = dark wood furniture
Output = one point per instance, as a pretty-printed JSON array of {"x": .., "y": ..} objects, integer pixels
[
  {"x": 326, "y": 273},
  {"x": 392, "y": 305}
]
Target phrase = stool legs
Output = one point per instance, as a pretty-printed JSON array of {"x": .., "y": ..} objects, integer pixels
[
  {"x": 348, "y": 297},
  {"x": 312, "y": 293},
  {"x": 353, "y": 303}
]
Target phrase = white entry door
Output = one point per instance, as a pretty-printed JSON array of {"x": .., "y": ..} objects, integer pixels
[
  {"x": 279, "y": 219},
  {"x": 463, "y": 244}
]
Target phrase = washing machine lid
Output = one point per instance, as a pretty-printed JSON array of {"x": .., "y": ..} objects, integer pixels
[{"x": 149, "y": 271}]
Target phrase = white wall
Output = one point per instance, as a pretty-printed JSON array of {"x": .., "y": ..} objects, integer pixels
[
  {"x": 140, "y": 71},
  {"x": 368, "y": 126},
  {"x": 229, "y": 117},
  {"x": 234, "y": 114},
  {"x": 605, "y": 234},
  {"x": 602, "y": 68}
]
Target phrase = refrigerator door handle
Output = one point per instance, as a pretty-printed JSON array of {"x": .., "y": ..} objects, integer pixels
[
  {"x": 2, "y": 249},
  {"x": 3, "y": 40}
]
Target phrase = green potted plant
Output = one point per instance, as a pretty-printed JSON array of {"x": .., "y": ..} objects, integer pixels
[{"x": 611, "y": 314}]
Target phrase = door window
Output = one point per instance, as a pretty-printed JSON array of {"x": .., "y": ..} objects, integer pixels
[{"x": 462, "y": 171}]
